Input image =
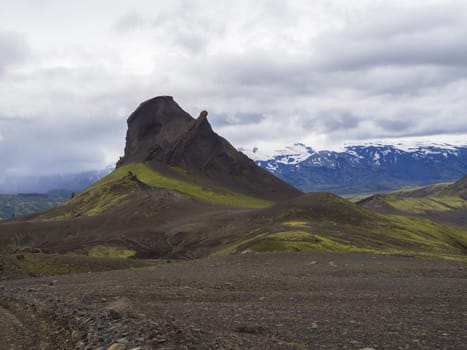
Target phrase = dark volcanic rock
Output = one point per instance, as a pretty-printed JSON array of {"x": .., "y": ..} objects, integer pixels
[
  {"x": 153, "y": 128},
  {"x": 160, "y": 132}
]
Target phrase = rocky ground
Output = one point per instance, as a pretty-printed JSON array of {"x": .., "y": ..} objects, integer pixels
[{"x": 250, "y": 301}]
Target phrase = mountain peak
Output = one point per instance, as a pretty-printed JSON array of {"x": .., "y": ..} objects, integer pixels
[
  {"x": 160, "y": 130},
  {"x": 161, "y": 133},
  {"x": 153, "y": 126}
]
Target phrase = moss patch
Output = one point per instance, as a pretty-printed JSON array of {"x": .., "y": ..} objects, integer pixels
[
  {"x": 97, "y": 199},
  {"x": 289, "y": 241},
  {"x": 111, "y": 252},
  {"x": 301, "y": 241},
  {"x": 155, "y": 179},
  {"x": 297, "y": 223},
  {"x": 423, "y": 205},
  {"x": 26, "y": 264},
  {"x": 318, "y": 230}
]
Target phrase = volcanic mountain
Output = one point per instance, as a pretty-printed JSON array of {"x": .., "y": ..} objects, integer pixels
[
  {"x": 182, "y": 191},
  {"x": 162, "y": 135}
]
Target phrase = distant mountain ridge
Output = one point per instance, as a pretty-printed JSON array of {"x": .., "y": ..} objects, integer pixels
[
  {"x": 22, "y": 195},
  {"x": 45, "y": 184},
  {"x": 364, "y": 168},
  {"x": 13, "y": 205}
]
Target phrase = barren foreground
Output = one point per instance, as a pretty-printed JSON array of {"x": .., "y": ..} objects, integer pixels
[{"x": 251, "y": 301}]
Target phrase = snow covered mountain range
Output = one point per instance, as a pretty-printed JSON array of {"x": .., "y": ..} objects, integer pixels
[{"x": 367, "y": 168}]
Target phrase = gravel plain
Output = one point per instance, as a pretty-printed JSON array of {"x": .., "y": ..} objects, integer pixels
[{"x": 250, "y": 301}]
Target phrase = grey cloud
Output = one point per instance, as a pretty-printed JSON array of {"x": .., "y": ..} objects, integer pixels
[
  {"x": 48, "y": 146},
  {"x": 343, "y": 121},
  {"x": 434, "y": 131},
  {"x": 78, "y": 124},
  {"x": 428, "y": 35},
  {"x": 13, "y": 49},
  {"x": 130, "y": 21},
  {"x": 401, "y": 80},
  {"x": 257, "y": 72},
  {"x": 14, "y": 119},
  {"x": 241, "y": 119},
  {"x": 397, "y": 125},
  {"x": 184, "y": 26},
  {"x": 329, "y": 121}
]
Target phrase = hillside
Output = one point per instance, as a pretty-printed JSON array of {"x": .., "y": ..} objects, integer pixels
[
  {"x": 325, "y": 222},
  {"x": 182, "y": 191},
  {"x": 445, "y": 203},
  {"x": 149, "y": 223}
]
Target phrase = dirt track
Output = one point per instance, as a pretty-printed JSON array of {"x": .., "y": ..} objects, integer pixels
[{"x": 253, "y": 301}]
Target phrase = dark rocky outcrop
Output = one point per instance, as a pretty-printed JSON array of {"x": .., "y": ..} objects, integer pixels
[
  {"x": 153, "y": 128},
  {"x": 160, "y": 132}
]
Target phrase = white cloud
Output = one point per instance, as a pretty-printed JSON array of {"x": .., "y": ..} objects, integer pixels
[{"x": 322, "y": 72}]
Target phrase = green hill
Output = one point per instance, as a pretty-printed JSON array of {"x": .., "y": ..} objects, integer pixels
[
  {"x": 182, "y": 191},
  {"x": 150, "y": 221},
  {"x": 445, "y": 203},
  {"x": 325, "y": 222}
]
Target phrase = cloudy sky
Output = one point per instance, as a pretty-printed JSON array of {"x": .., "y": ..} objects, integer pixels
[{"x": 270, "y": 73}]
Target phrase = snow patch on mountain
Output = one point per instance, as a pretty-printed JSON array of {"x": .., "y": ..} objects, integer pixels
[
  {"x": 379, "y": 149},
  {"x": 366, "y": 168},
  {"x": 293, "y": 154},
  {"x": 411, "y": 144}
]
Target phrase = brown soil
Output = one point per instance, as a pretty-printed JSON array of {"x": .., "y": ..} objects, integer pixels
[{"x": 251, "y": 301}]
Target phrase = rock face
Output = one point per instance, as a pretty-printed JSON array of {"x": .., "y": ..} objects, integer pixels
[
  {"x": 160, "y": 132},
  {"x": 153, "y": 129}
]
